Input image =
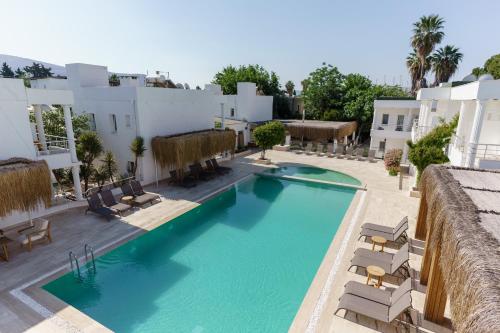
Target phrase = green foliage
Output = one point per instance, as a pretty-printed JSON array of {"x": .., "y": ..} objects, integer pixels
[
  {"x": 478, "y": 71},
  {"x": 430, "y": 149},
  {"x": 445, "y": 63},
  {"x": 267, "y": 82},
  {"x": 427, "y": 33},
  {"x": 289, "y": 86},
  {"x": 323, "y": 91},
  {"x": 109, "y": 164},
  {"x": 138, "y": 148},
  {"x": 89, "y": 147},
  {"x": 268, "y": 135},
  {"x": 53, "y": 122},
  {"x": 6, "y": 71},
  {"x": 38, "y": 71},
  {"x": 392, "y": 161},
  {"x": 492, "y": 66},
  {"x": 114, "y": 81}
]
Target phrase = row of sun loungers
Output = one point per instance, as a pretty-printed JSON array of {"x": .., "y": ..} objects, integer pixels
[
  {"x": 387, "y": 305},
  {"x": 197, "y": 173},
  {"x": 109, "y": 207},
  {"x": 327, "y": 150}
]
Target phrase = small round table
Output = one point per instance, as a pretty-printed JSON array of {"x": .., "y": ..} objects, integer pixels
[
  {"x": 127, "y": 199},
  {"x": 375, "y": 272},
  {"x": 378, "y": 240}
]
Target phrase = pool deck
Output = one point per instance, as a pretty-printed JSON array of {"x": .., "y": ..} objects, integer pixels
[{"x": 382, "y": 203}]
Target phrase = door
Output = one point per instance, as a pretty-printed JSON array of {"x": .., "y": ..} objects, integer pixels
[
  {"x": 241, "y": 140},
  {"x": 400, "y": 122}
]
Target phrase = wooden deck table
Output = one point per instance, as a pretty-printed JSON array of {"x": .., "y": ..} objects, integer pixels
[{"x": 375, "y": 272}]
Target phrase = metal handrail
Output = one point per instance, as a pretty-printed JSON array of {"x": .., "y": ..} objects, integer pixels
[
  {"x": 87, "y": 248},
  {"x": 72, "y": 258}
]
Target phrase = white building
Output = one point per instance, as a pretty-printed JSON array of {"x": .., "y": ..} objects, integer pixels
[
  {"x": 392, "y": 124},
  {"x": 477, "y": 139},
  {"x": 20, "y": 138}
]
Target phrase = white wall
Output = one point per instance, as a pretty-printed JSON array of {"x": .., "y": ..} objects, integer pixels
[
  {"x": 490, "y": 132},
  {"x": 50, "y": 83},
  {"x": 15, "y": 131}
]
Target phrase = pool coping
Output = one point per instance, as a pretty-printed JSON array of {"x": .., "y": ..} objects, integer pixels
[{"x": 43, "y": 302}]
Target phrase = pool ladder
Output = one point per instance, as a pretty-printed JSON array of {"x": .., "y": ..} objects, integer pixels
[{"x": 74, "y": 263}]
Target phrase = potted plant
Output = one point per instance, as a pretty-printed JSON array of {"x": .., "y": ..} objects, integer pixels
[{"x": 392, "y": 161}]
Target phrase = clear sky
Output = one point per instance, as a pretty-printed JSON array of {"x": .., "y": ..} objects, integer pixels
[{"x": 194, "y": 39}]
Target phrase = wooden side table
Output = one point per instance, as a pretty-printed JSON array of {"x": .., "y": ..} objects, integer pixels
[
  {"x": 127, "y": 199},
  {"x": 3, "y": 244},
  {"x": 380, "y": 241},
  {"x": 375, "y": 272}
]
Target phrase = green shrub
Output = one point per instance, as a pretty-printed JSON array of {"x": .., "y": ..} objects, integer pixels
[
  {"x": 392, "y": 161},
  {"x": 268, "y": 135}
]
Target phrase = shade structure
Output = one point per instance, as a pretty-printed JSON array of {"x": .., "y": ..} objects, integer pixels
[
  {"x": 177, "y": 151},
  {"x": 460, "y": 217},
  {"x": 24, "y": 185},
  {"x": 317, "y": 130}
]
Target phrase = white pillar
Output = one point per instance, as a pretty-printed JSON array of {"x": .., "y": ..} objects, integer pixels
[
  {"x": 353, "y": 136},
  {"x": 334, "y": 145},
  {"x": 70, "y": 135},
  {"x": 345, "y": 140},
  {"x": 222, "y": 120},
  {"x": 39, "y": 126},
  {"x": 72, "y": 150},
  {"x": 461, "y": 121},
  {"x": 477, "y": 124}
]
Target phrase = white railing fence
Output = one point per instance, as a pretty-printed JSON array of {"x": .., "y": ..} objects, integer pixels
[{"x": 55, "y": 145}]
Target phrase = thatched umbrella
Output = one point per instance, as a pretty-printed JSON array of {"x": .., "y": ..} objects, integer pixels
[
  {"x": 177, "y": 151},
  {"x": 24, "y": 185},
  {"x": 316, "y": 130},
  {"x": 462, "y": 220}
]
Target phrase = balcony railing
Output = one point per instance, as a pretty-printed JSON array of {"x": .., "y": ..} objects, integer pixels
[
  {"x": 55, "y": 145},
  {"x": 392, "y": 127}
]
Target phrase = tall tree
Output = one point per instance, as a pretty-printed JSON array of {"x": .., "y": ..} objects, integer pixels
[
  {"x": 19, "y": 74},
  {"x": 267, "y": 82},
  {"x": 445, "y": 63},
  {"x": 492, "y": 66},
  {"x": 323, "y": 91},
  {"x": 290, "y": 86},
  {"x": 38, "y": 70},
  {"x": 427, "y": 33},
  {"x": 54, "y": 124},
  {"x": 413, "y": 65},
  {"x": 7, "y": 71},
  {"x": 89, "y": 148}
]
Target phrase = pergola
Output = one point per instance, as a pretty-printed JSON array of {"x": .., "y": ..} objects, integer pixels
[
  {"x": 459, "y": 218},
  {"x": 317, "y": 130},
  {"x": 24, "y": 184}
]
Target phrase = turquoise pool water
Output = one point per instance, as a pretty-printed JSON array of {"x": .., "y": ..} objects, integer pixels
[
  {"x": 315, "y": 173},
  {"x": 240, "y": 262}
]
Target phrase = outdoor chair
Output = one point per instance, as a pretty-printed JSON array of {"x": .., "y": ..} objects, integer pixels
[
  {"x": 382, "y": 305},
  {"x": 360, "y": 152},
  {"x": 396, "y": 264},
  {"x": 339, "y": 151},
  {"x": 40, "y": 230},
  {"x": 95, "y": 206},
  {"x": 371, "y": 155},
  {"x": 396, "y": 234},
  {"x": 349, "y": 153},
  {"x": 143, "y": 195},
  {"x": 216, "y": 165},
  {"x": 137, "y": 200},
  {"x": 198, "y": 172},
  {"x": 186, "y": 181},
  {"x": 329, "y": 150},
  {"x": 110, "y": 201},
  {"x": 320, "y": 148},
  {"x": 309, "y": 149}
]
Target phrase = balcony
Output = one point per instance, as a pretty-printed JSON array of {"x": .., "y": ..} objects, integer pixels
[
  {"x": 486, "y": 155},
  {"x": 57, "y": 153},
  {"x": 394, "y": 130}
]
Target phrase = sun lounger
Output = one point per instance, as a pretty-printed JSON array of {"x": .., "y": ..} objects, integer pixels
[
  {"x": 349, "y": 153},
  {"x": 40, "y": 230},
  {"x": 339, "y": 151},
  {"x": 309, "y": 149},
  {"x": 95, "y": 206},
  {"x": 198, "y": 173},
  {"x": 371, "y": 155},
  {"x": 110, "y": 201},
  {"x": 396, "y": 234},
  {"x": 143, "y": 195},
  {"x": 138, "y": 200},
  {"x": 320, "y": 149},
  {"x": 392, "y": 263},
  {"x": 186, "y": 181},
  {"x": 382, "y": 305},
  {"x": 360, "y": 152},
  {"x": 329, "y": 150},
  {"x": 216, "y": 165}
]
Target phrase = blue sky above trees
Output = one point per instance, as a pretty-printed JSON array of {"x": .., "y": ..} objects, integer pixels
[{"x": 194, "y": 40}]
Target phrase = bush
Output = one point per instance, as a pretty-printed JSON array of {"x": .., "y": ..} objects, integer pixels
[
  {"x": 392, "y": 161},
  {"x": 268, "y": 135}
]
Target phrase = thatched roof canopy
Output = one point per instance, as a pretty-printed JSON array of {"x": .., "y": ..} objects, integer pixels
[
  {"x": 177, "y": 151},
  {"x": 317, "y": 130},
  {"x": 24, "y": 185},
  {"x": 463, "y": 222}
]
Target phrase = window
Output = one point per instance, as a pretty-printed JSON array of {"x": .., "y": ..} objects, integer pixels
[
  {"x": 232, "y": 112},
  {"x": 112, "y": 120},
  {"x": 127, "y": 120},
  {"x": 385, "y": 119},
  {"x": 399, "y": 124},
  {"x": 381, "y": 146},
  {"x": 91, "y": 117}
]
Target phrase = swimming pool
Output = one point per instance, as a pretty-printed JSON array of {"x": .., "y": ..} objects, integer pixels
[
  {"x": 314, "y": 173},
  {"x": 242, "y": 261}
]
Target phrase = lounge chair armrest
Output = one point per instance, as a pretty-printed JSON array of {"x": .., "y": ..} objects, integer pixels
[{"x": 25, "y": 230}]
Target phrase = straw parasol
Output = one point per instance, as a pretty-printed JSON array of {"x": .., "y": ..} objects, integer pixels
[
  {"x": 316, "y": 130},
  {"x": 24, "y": 185},
  {"x": 177, "y": 151},
  {"x": 462, "y": 217}
]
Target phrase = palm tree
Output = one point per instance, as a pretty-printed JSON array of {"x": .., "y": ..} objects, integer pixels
[
  {"x": 413, "y": 65},
  {"x": 137, "y": 147},
  {"x": 109, "y": 163},
  {"x": 427, "y": 33},
  {"x": 289, "y": 88},
  {"x": 445, "y": 63},
  {"x": 89, "y": 147}
]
